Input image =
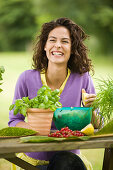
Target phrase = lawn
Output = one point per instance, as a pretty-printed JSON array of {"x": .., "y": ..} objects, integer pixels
[{"x": 15, "y": 64}]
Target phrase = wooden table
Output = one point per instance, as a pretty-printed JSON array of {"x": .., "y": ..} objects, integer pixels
[{"x": 8, "y": 148}]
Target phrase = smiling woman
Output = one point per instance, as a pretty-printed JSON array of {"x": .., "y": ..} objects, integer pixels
[{"x": 61, "y": 62}]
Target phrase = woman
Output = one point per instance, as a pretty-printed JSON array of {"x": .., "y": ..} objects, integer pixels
[{"x": 60, "y": 61}]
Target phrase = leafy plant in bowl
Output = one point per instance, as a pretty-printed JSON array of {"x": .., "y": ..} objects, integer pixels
[
  {"x": 39, "y": 110},
  {"x": 104, "y": 100}
]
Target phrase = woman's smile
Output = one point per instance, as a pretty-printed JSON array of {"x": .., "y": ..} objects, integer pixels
[{"x": 57, "y": 53}]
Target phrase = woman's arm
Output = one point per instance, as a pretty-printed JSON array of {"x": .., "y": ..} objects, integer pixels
[
  {"x": 20, "y": 91},
  {"x": 88, "y": 99},
  {"x": 96, "y": 120},
  {"x": 24, "y": 125}
]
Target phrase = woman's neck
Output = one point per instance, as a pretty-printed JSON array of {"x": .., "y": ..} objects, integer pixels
[{"x": 55, "y": 76}]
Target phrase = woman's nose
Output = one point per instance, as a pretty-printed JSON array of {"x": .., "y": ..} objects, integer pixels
[{"x": 57, "y": 44}]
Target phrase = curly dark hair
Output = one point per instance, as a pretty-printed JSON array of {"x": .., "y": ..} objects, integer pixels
[{"x": 78, "y": 61}]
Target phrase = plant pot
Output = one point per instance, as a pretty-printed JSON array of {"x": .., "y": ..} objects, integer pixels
[{"x": 40, "y": 120}]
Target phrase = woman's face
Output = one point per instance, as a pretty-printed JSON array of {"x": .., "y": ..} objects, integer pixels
[{"x": 58, "y": 45}]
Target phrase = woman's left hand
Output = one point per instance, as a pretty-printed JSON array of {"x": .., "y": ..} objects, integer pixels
[{"x": 87, "y": 99}]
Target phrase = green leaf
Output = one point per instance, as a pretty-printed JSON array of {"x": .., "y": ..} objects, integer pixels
[
  {"x": 41, "y": 90},
  {"x": 18, "y": 102},
  {"x": 57, "y": 98},
  {"x": 53, "y": 107},
  {"x": 11, "y": 107},
  {"x": 46, "y": 99},
  {"x": 35, "y": 106},
  {"x": 71, "y": 138},
  {"x": 39, "y": 139},
  {"x": 1, "y": 77},
  {"x": 16, "y": 131},
  {"x": 58, "y": 104},
  {"x": 50, "y": 102},
  {"x": 53, "y": 99},
  {"x": 47, "y": 106},
  {"x": 42, "y": 106},
  {"x": 23, "y": 110},
  {"x": 2, "y": 70},
  {"x": 26, "y": 100},
  {"x": 1, "y": 90},
  {"x": 16, "y": 110},
  {"x": 55, "y": 92},
  {"x": 107, "y": 129}
]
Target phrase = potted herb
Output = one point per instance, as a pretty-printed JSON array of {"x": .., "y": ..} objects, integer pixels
[
  {"x": 2, "y": 70},
  {"x": 39, "y": 110},
  {"x": 104, "y": 100}
]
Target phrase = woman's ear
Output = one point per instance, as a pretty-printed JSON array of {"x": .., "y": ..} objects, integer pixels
[{"x": 45, "y": 48}]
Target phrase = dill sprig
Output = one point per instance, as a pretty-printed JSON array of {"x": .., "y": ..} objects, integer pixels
[{"x": 104, "y": 100}]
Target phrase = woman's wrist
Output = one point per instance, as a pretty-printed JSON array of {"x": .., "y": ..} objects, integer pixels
[{"x": 96, "y": 120}]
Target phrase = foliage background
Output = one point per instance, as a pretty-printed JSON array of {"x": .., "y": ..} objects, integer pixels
[{"x": 20, "y": 20}]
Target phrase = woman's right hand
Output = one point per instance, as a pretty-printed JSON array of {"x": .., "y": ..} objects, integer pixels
[{"x": 24, "y": 125}]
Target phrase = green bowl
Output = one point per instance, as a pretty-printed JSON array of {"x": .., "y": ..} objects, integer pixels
[{"x": 76, "y": 118}]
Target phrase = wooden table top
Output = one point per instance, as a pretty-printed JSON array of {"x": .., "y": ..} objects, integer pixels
[
  {"x": 8, "y": 148},
  {"x": 13, "y": 145}
]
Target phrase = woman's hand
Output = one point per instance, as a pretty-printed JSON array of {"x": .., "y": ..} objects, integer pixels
[
  {"x": 87, "y": 99},
  {"x": 24, "y": 125}
]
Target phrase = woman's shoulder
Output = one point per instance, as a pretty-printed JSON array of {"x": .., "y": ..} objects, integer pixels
[
  {"x": 84, "y": 78},
  {"x": 30, "y": 71},
  {"x": 81, "y": 76},
  {"x": 28, "y": 74}
]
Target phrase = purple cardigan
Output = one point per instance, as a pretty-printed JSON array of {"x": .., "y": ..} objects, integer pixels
[{"x": 28, "y": 84}]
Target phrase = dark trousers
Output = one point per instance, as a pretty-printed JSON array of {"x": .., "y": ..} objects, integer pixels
[
  {"x": 64, "y": 160},
  {"x": 42, "y": 167}
]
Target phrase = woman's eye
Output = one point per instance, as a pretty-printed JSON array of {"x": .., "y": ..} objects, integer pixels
[
  {"x": 65, "y": 41},
  {"x": 52, "y": 40}
]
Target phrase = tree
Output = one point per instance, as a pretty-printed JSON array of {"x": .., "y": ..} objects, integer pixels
[
  {"x": 17, "y": 24},
  {"x": 104, "y": 19}
]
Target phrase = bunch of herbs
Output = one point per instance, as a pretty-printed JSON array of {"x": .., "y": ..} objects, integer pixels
[
  {"x": 46, "y": 98},
  {"x": 104, "y": 100}
]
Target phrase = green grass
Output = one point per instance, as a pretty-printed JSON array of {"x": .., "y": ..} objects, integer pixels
[{"x": 15, "y": 64}]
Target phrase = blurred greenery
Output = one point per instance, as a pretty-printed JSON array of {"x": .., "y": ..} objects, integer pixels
[
  {"x": 20, "y": 20},
  {"x": 17, "y": 24}
]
